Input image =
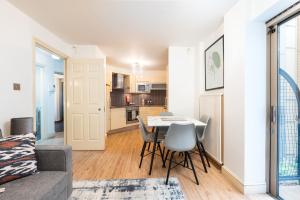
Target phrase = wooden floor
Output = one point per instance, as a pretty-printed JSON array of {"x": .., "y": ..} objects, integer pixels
[{"x": 121, "y": 159}]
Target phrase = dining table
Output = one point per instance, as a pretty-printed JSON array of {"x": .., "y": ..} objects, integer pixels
[{"x": 158, "y": 122}]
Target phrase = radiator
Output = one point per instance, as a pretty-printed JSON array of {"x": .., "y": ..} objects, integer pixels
[{"x": 212, "y": 105}]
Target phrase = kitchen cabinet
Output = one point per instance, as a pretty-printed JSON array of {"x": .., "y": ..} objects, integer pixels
[
  {"x": 132, "y": 83},
  {"x": 117, "y": 118},
  {"x": 152, "y": 77},
  {"x": 146, "y": 111},
  {"x": 159, "y": 86},
  {"x": 118, "y": 115},
  {"x": 130, "y": 80},
  {"x": 127, "y": 85}
]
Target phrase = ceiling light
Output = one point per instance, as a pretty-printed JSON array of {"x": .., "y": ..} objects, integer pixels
[
  {"x": 134, "y": 68},
  {"x": 55, "y": 57},
  {"x": 137, "y": 68}
]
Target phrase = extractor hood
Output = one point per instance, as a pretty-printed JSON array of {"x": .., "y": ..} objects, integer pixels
[{"x": 117, "y": 81}]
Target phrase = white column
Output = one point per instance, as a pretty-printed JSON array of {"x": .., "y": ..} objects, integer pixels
[{"x": 181, "y": 86}]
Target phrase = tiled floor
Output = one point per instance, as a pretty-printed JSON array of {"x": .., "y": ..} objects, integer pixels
[
  {"x": 289, "y": 192},
  {"x": 58, "y": 139}
]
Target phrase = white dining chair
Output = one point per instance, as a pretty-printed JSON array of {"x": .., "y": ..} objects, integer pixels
[
  {"x": 148, "y": 137},
  {"x": 180, "y": 138},
  {"x": 200, "y": 133}
]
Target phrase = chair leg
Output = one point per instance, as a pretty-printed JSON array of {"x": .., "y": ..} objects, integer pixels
[
  {"x": 169, "y": 169},
  {"x": 142, "y": 153},
  {"x": 185, "y": 163},
  {"x": 164, "y": 164},
  {"x": 201, "y": 157},
  {"x": 161, "y": 153},
  {"x": 153, "y": 150},
  {"x": 188, "y": 155},
  {"x": 149, "y": 146},
  {"x": 143, "y": 148},
  {"x": 205, "y": 154}
]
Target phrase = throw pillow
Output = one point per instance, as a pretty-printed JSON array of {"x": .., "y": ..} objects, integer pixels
[{"x": 17, "y": 157}]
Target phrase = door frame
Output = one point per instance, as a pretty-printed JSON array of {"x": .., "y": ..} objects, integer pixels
[
  {"x": 39, "y": 43},
  {"x": 273, "y": 85},
  {"x": 273, "y": 69},
  {"x": 42, "y": 123}
]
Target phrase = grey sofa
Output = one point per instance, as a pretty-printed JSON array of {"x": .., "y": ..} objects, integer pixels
[{"x": 53, "y": 180}]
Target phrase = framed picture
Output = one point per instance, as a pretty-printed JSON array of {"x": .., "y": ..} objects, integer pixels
[{"x": 214, "y": 65}]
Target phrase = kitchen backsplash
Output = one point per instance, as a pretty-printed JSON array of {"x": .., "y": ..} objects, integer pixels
[{"x": 157, "y": 97}]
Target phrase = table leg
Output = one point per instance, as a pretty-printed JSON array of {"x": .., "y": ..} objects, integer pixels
[{"x": 154, "y": 149}]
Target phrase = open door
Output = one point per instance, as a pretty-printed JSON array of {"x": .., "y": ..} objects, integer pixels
[
  {"x": 49, "y": 68},
  {"x": 85, "y": 104}
]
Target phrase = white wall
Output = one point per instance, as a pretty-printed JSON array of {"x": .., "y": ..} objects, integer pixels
[
  {"x": 203, "y": 45},
  {"x": 208, "y": 102},
  {"x": 16, "y": 61},
  {"x": 200, "y": 67},
  {"x": 245, "y": 92},
  {"x": 181, "y": 86},
  {"x": 234, "y": 90},
  {"x": 255, "y": 107},
  {"x": 245, "y": 98}
]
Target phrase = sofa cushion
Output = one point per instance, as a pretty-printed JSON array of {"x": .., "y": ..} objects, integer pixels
[
  {"x": 17, "y": 157},
  {"x": 46, "y": 185}
]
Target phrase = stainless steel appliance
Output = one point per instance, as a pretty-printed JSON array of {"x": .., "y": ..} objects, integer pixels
[
  {"x": 158, "y": 86},
  {"x": 143, "y": 87},
  {"x": 131, "y": 114},
  {"x": 117, "y": 81}
]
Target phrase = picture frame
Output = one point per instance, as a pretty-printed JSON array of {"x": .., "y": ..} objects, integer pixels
[{"x": 214, "y": 65}]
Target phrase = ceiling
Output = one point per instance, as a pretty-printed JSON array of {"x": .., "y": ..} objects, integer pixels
[{"x": 129, "y": 31}]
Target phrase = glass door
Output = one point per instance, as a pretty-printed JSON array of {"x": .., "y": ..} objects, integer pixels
[{"x": 285, "y": 109}]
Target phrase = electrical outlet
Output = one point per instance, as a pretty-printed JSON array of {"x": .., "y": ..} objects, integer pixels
[{"x": 17, "y": 86}]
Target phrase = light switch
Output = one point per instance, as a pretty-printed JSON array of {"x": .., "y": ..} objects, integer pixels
[{"x": 17, "y": 86}]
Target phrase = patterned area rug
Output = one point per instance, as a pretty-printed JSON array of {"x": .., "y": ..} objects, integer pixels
[{"x": 151, "y": 188}]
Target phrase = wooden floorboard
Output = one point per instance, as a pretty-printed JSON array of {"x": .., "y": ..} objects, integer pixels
[{"x": 121, "y": 159}]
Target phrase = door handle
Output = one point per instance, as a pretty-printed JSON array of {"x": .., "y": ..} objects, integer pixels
[
  {"x": 273, "y": 114},
  {"x": 99, "y": 109}
]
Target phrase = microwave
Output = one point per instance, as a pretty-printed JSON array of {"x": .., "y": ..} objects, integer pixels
[{"x": 143, "y": 87}]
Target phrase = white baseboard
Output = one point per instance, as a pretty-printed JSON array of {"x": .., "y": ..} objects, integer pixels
[{"x": 258, "y": 188}]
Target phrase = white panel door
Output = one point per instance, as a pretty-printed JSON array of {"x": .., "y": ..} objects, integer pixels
[{"x": 85, "y": 104}]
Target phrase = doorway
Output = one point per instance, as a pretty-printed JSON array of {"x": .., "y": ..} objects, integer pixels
[
  {"x": 49, "y": 97},
  {"x": 285, "y": 107}
]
